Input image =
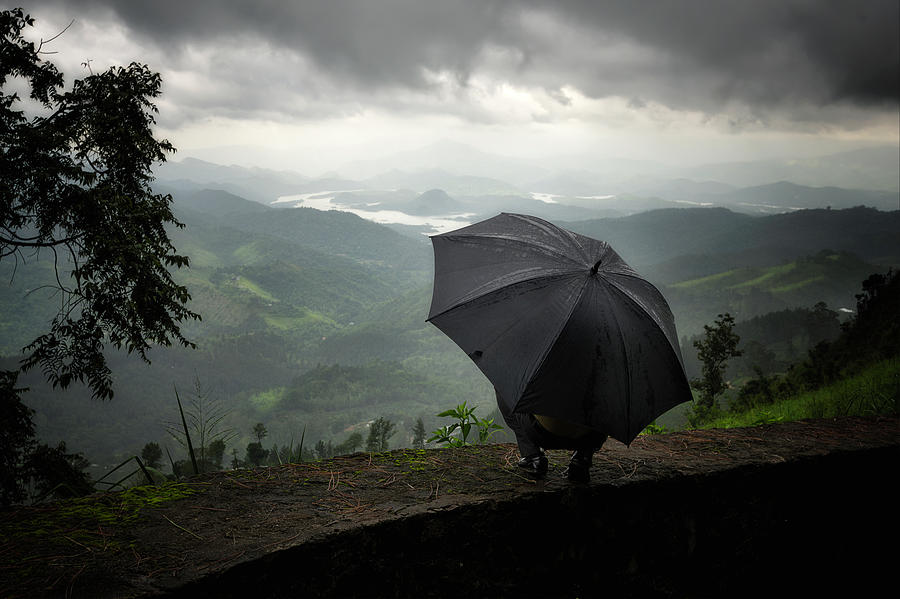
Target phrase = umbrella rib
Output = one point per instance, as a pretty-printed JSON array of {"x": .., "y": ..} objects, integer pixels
[
  {"x": 627, "y": 361},
  {"x": 574, "y": 305},
  {"x": 544, "y": 225},
  {"x": 668, "y": 315}
]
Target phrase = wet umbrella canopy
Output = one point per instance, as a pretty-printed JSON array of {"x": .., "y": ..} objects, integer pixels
[{"x": 559, "y": 324}]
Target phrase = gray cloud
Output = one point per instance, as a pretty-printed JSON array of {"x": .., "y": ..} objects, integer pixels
[
  {"x": 765, "y": 51},
  {"x": 781, "y": 56}
]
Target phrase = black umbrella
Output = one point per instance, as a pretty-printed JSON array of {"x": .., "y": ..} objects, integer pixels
[{"x": 559, "y": 324}]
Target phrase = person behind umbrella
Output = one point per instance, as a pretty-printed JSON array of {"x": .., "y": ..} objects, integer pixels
[
  {"x": 536, "y": 432},
  {"x": 561, "y": 326}
]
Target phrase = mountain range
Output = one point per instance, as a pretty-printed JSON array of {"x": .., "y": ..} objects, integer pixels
[
  {"x": 287, "y": 291},
  {"x": 483, "y": 184}
]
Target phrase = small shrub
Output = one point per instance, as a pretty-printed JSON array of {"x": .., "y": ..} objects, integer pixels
[{"x": 465, "y": 420}]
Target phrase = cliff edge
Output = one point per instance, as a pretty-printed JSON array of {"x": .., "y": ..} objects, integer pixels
[{"x": 799, "y": 505}]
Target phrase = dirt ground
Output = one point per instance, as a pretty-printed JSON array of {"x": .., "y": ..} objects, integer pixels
[{"x": 115, "y": 545}]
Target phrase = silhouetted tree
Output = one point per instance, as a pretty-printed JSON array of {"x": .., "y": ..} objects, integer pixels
[
  {"x": 756, "y": 391},
  {"x": 16, "y": 439},
  {"x": 215, "y": 453},
  {"x": 418, "y": 441},
  {"x": 256, "y": 454},
  {"x": 718, "y": 344},
  {"x": 75, "y": 186},
  {"x": 151, "y": 454},
  {"x": 380, "y": 431},
  {"x": 324, "y": 449},
  {"x": 75, "y": 174},
  {"x": 259, "y": 431},
  {"x": 353, "y": 442},
  {"x": 56, "y": 473},
  {"x": 50, "y": 471}
]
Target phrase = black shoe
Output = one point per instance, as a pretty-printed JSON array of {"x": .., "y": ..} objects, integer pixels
[
  {"x": 535, "y": 465},
  {"x": 579, "y": 470}
]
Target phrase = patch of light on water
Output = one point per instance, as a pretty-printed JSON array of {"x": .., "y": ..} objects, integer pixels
[
  {"x": 769, "y": 207},
  {"x": 313, "y": 200},
  {"x": 324, "y": 201},
  {"x": 550, "y": 198},
  {"x": 690, "y": 203},
  {"x": 547, "y": 198}
]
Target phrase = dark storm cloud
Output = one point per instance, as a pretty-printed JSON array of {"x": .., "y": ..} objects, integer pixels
[
  {"x": 778, "y": 55},
  {"x": 766, "y": 50}
]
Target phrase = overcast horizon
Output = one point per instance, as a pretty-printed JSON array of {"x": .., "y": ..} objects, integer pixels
[{"x": 312, "y": 87}]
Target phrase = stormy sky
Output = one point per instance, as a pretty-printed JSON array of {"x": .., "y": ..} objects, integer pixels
[{"x": 313, "y": 85}]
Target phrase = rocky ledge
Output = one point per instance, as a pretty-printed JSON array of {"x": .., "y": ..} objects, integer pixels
[{"x": 800, "y": 507}]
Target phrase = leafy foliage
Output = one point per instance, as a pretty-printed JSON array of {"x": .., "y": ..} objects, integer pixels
[
  {"x": 16, "y": 439},
  {"x": 418, "y": 441},
  {"x": 152, "y": 455},
  {"x": 353, "y": 442},
  {"x": 870, "y": 391},
  {"x": 256, "y": 454},
  {"x": 869, "y": 338},
  {"x": 260, "y": 431},
  {"x": 380, "y": 431},
  {"x": 29, "y": 470},
  {"x": 465, "y": 420},
  {"x": 57, "y": 473},
  {"x": 718, "y": 345},
  {"x": 75, "y": 185}
]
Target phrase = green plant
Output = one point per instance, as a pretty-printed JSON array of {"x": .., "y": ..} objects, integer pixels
[
  {"x": 766, "y": 417},
  {"x": 187, "y": 434},
  {"x": 655, "y": 429},
  {"x": 204, "y": 417},
  {"x": 465, "y": 420}
]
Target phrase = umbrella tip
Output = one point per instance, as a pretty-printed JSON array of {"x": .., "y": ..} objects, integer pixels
[{"x": 596, "y": 267}]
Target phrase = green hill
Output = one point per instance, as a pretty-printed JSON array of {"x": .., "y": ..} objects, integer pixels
[
  {"x": 854, "y": 372},
  {"x": 290, "y": 292},
  {"x": 790, "y": 195},
  {"x": 829, "y": 272},
  {"x": 828, "y": 276},
  {"x": 651, "y": 237},
  {"x": 344, "y": 235},
  {"x": 218, "y": 202},
  {"x": 676, "y": 243}
]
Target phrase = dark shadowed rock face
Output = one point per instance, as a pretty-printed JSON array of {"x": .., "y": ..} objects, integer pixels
[{"x": 794, "y": 507}]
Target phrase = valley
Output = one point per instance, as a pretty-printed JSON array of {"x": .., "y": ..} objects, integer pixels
[{"x": 314, "y": 320}]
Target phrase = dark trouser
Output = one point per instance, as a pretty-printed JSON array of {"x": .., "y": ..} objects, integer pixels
[{"x": 531, "y": 437}]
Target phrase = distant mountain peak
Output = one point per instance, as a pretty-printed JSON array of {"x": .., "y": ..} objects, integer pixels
[
  {"x": 434, "y": 194},
  {"x": 435, "y": 202}
]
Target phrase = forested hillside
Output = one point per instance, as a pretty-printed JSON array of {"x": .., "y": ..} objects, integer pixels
[{"x": 315, "y": 321}]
